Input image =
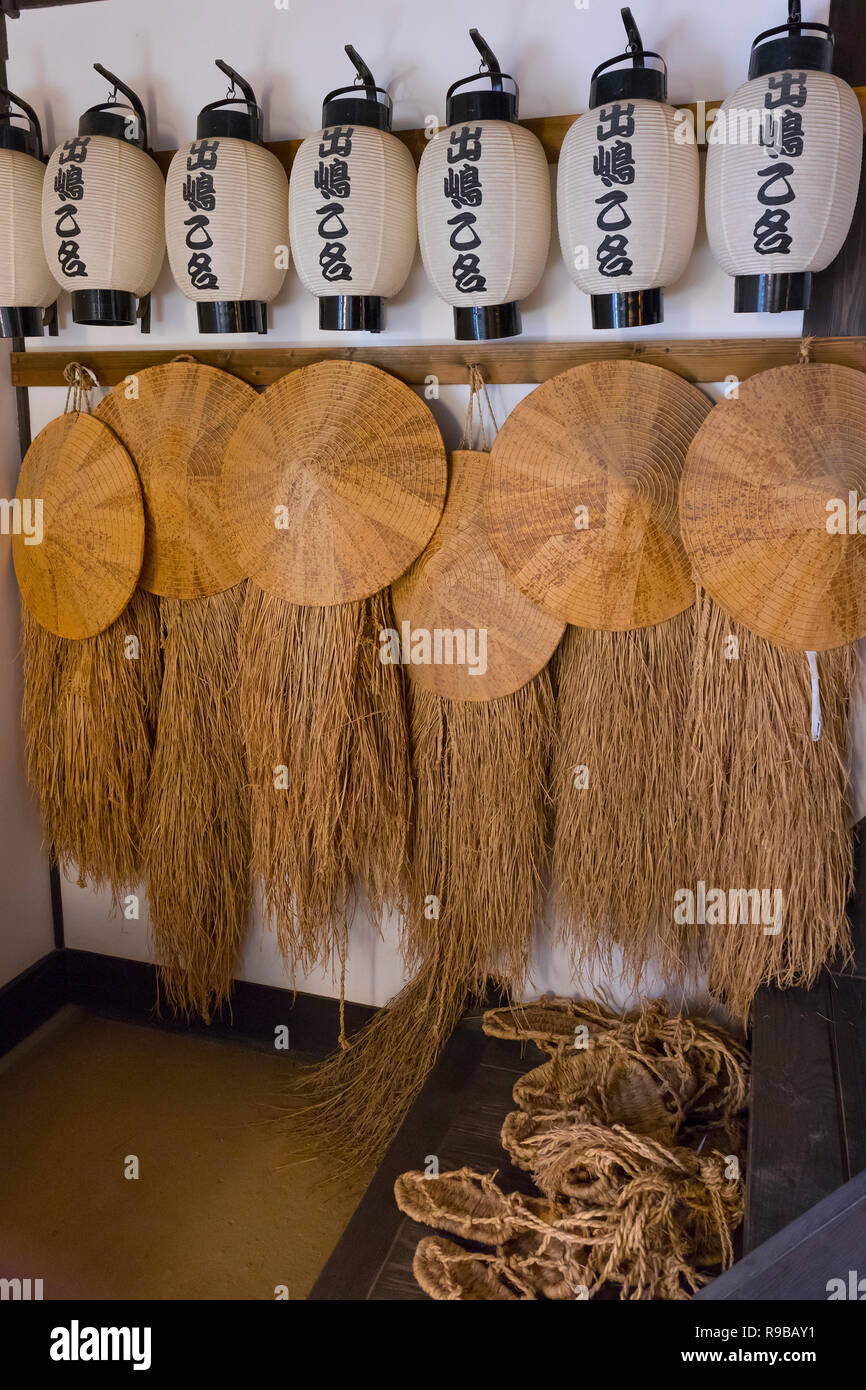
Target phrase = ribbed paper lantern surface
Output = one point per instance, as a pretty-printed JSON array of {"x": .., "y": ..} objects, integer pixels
[
  {"x": 26, "y": 283},
  {"x": 352, "y": 207},
  {"x": 628, "y": 190},
  {"x": 102, "y": 213},
  {"x": 226, "y": 217},
  {"x": 484, "y": 207},
  {"x": 783, "y": 170}
]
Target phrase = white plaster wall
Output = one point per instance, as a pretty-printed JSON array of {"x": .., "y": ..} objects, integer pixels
[{"x": 292, "y": 56}]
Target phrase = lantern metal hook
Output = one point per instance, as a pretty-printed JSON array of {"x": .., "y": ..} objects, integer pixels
[
  {"x": 635, "y": 43},
  {"x": 236, "y": 81},
  {"x": 132, "y": 97},
  {"x": 489, "y": 61},
  {"x": 11, "y": 99},
  {"x": 795, "y": 12},
  {"x": 364, "y": 78}
]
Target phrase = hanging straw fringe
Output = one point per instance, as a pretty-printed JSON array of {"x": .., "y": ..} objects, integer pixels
[
  {"x": 618, "y": 848},
  {"x": 89, "y": 714},
  {"x": 749, "y": 753},
  {"x": 328, "y": 763},
  {"x": 197, "y": 827},
  {"x": 80, "y": 381}
]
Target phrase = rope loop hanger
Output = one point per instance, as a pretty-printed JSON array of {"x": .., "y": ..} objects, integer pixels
[
  {"x": 478, "y": 398},
  {"x": 80, "y": 381}
]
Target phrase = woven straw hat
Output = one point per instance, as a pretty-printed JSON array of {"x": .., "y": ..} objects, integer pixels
[
  {"x": 761, "y": 475},
  {"x": 83, "y": 572},
  {"x": 582, "y": 493},
  {"x": 176, "y": 421},
  {"x": 458, "y": 584},
  {"x": 334, "y": 482}
]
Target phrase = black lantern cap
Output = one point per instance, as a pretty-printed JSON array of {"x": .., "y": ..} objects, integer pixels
[
  {"x": 772, "y": 294},
  {"x": 789, "y": 46},
  {"x": 478, "y": 323},
  {"x": 217, "y": 119},
  {"x": 628, "y": 309},
  {"x": 15, "y": 137},
  {"x": 361, "y": 104},
  {"x": 356, "y": 313},
  {"x": 232, "y": 316},
  {"x": 108, "y": 119},
  {"x": 498, "y": 103},
  {"x": 626, "y": 84},
  {"x": 17, "y": 321}
]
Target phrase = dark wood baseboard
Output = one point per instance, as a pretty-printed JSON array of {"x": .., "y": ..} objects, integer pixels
[
  {"x": 30, "y": 999},
  {"x": 128, "y": 989}
]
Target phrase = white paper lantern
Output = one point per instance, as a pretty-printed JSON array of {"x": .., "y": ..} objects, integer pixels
[
  {"x": 26, "y": 283},
  {"x": 783, "y": 169},
  {"x": 226, "y": 216},
  {"x": 484, "y": 206},
  {"x": 628, "y": 191},
  {"x": 102, "y": 214},
  {"x": 352, "y": 207}
]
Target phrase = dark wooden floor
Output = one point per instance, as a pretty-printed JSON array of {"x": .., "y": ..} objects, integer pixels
[{"x": 458, "y": 1118}]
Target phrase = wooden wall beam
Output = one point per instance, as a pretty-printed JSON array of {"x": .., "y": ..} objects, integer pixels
[
  {"x": 503, "y": 363},
  {"x": 551, "y": 131}
]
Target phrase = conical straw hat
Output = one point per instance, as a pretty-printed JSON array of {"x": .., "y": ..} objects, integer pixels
[
  {"x": 82, "y": 574},
  {"x": 335, "y": 480},
  {"x": 582, "y": 494},
  {"x": 176, "y": 421},
  {"x": 458, "y": 586},
  {"x": 757, "y": 501}
]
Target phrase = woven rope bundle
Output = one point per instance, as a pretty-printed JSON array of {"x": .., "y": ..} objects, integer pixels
[{"x": 643, "y": 1210}]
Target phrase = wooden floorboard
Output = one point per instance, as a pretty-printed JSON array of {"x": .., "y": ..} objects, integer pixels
[{"x": 795, "y": 1139}]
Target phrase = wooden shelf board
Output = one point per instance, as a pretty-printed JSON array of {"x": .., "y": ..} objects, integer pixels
[
  {"x": 551, "y": 131},
  {"x": 515, "y": 363}
]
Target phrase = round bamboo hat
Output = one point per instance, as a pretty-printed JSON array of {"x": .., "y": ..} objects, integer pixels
[
  {"x": 581, "y": 499},
  {"x": 769, "y": 478},
  {"x": 459, "y": 585},
  {"x": 334, "y": 482},
  {"x": 83, "y": 572},
  {"x": 176, "y": 420}
]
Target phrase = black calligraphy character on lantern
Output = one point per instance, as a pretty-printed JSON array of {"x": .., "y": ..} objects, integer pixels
[
  {"x": 616, "y": 120},
  {"x": 331, "y": 222},
  {"x": 75, "y": 151},
  {"x": 614, "y": 165},
  {"x": 613, "y": 216},
  {"x": 771, "y": 233},
  {"x": 463, "y": 187},
  {"x": 332, "y": 259},
  {"x": 199, "y": 193},
  {"x": 467, "y": 274},
  {"x": 784, "y": 135},
  {"x": 787, "y": 89},
  {"x": 332, "y": 179},
  {"x": 201, "y": 272},
  {"x": 464, "y": 237},
  {"x": 198, "y": 238},
  {"x": 69, "y": 183},
  {"x": 336, "y": 141},
  {"x": 773, "y": 175},
  {"x": 203, "y": 155},
  {"x": 612, "y": 258},
  {"x": 464, "y": 143},
  {"x": 67, "y": 228}
]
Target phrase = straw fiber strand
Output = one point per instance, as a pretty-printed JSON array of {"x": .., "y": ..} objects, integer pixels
[
  {"x": 355, "y": 461},
  {"x": 82, "y": 574},
  {"x": 197, "y": 836},
  {"x": 458, "y": 584},
  {"x": 328, "y": 765},
  {"x": 619, "y": 852},
  {"x": 177, "y": 429},
  {"x": 89, "y": 713},
  {"x": 760, "y": 476},
  {"x": 612, "y": 438},
  {"x": 748, "y": 752}
]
